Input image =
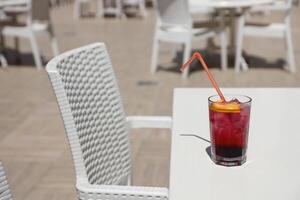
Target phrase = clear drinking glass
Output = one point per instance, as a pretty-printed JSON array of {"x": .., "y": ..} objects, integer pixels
[{"x": 229, "y": 126}]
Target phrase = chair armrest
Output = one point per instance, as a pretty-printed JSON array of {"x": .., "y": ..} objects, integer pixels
[
  {"x": 149, "y": 122},
  {"x": 111, "y": 192}
]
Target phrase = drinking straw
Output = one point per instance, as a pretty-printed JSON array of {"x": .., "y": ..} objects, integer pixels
[{"x": 210, "y": 76}]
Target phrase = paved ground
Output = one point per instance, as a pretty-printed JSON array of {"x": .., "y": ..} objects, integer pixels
[{"x": 33, "y": 146}]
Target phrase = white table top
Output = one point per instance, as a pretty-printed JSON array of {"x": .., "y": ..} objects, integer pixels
[
  {"x": 5, "y": 3},
  {"x": 272, "y": 170},
  {"x": 225, "y": 4}
]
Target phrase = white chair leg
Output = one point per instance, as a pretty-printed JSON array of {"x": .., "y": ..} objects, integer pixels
[
  {"x": 224, "y": 59},
  {"x": 244, "y": 64},
  {"x": 54, "y": 46},
  {"x": 3, "y": 61},
  {"x": 77, "y": 9},
  {"x": 35, "y": 51},
  {"x": 129, "y": 182},
  {"x": 155, "y": 55},
  {"x": 53, "y": 41},
  {"x": 186, "y": 56},
  {"x": 290, "y": 50},
  {"x": 100, "y": 8},
  {"x": 142, "y": 8},
  {"x": 223, "y": 36},
  {"x": 239, "y": 43},
  {"x": 119, "y": 9}
]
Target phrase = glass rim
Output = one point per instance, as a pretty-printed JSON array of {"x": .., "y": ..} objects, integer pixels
[{"x": 234, "y": 95}]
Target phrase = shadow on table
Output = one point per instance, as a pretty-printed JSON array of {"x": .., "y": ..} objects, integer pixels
[
  {"x": 196, "y": 136},
  {"x": 213, "y": 60},
  {"x": 208, "y": 151}
]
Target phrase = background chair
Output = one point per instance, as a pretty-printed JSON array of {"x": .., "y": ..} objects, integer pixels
[
  {"x": 59, "y": 2},
  {"x": 270, "y": 30},
  {"x": 112, "y": 7},
  {"x": 78, "y": 7},
  {"x": 4, "y": 20},
  {"x": 79, "y": 4},
  {"x": 4, "y": 187},
  {"x": 89, "y": 100},
  {"x": 37, "y": 23},
  {"x": 175, "y": 24},
  {"x": 140, "y": 4}
]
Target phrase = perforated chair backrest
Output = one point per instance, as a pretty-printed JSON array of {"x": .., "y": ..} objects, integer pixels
[
  {"x": 174, "y": 12},
  {"x": 90, "y": 104},
  {"x": 4, "y": 188}
]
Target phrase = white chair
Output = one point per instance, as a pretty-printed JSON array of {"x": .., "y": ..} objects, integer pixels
[
  {"x": 5, "y": 193},
  {"x": 78, "y": 7},
  {"x": 4, "y": 20},
  {"x": 104, "y": 7},
  {"x": 37, "y": 23},
  {"x": 271, "y": 30},
  {"x": 174, "y": 24},
  {"x": 140, "y": 4},
  {"x": 95, "y": 123},
  {"x": 59, "y": 2},
  {"x": 112, "y": 7}
]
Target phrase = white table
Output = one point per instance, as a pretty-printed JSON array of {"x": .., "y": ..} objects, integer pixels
[
  {"x": 5, "y": 3},
  {"x": 226, "y": 4},
  {"x": 238, "y": 10},
  {"x": 272, "y": 170}
]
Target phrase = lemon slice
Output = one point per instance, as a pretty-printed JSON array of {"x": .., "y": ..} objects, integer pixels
[{"x": 225, "y": 107}]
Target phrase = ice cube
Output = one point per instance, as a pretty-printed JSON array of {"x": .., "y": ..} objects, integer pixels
[{"x": 234, "y": 100}]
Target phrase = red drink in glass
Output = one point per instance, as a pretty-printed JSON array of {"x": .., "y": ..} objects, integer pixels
[{"x": 229, "y": 125}]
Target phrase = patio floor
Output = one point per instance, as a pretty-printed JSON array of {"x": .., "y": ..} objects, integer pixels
[{"x": 33, "y": 146}]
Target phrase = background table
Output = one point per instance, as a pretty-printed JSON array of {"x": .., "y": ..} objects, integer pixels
[
  {"x": 4, "y": 3},
  {"x": 272, "y": 168},
  {"x": 237, "y": 11},
  {"x": 225, "y": 4}
]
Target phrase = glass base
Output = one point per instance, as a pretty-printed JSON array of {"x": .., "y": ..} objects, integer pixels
[{"x": 229, "y": 162}]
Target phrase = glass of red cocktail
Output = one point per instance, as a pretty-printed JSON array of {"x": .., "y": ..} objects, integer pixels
[{"x": 229, "y": 126}]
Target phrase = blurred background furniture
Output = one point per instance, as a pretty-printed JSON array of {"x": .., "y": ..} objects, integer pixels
[
  {"x": 80, "y": 4},
  {"x": 5, "y": 3},
  {"x": 280, "y": 30},
  {"x": 112, "y": 7},
  {"x": 59, "y": 2},
  {"x": 37, "y": 23},
  {"x": 140, "y": 6},
  {"x": 235, "y": 11},
  {"x": 5, "y": 193},
  {"x": 116, "y": 8},
  {"x": 174, "y": 24},
  {"x": 89, "y": 100},
  {"x": 5, "y": 20}
]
